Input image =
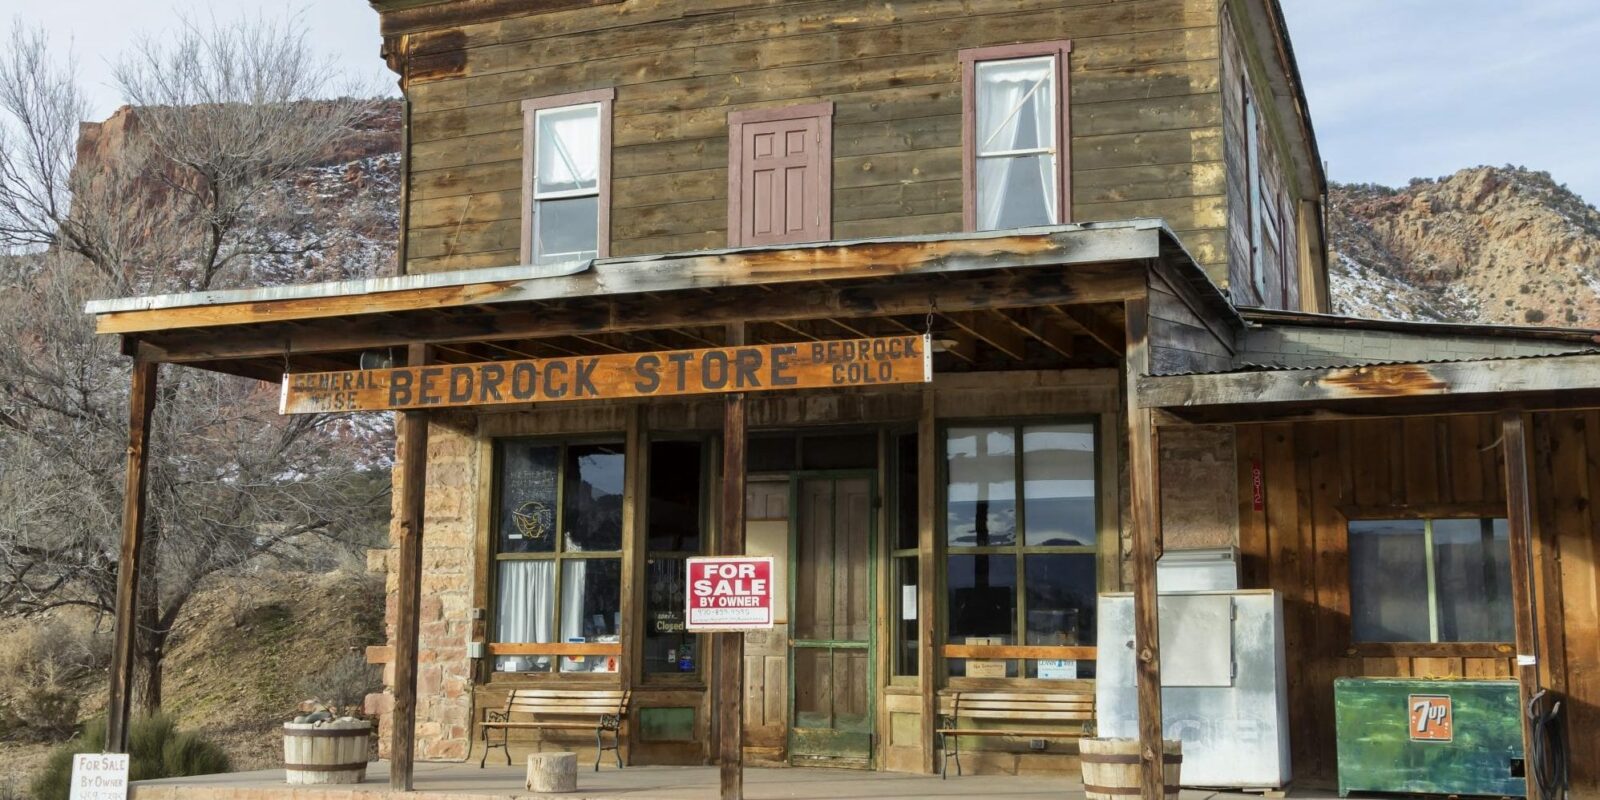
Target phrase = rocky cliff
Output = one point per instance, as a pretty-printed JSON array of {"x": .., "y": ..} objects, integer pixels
[{"x": 1494, "y": 245}]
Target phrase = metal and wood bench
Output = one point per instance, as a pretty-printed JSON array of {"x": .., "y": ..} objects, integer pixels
[
  {"x": 559, "y": 709},
  {"x": 1068, "y": 712}
]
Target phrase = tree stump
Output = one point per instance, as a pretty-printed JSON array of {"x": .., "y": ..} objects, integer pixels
[{"x": 552, "y": 772}]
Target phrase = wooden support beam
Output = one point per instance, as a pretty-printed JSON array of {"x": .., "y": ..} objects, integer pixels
[
  {"x": 1094, "y": 325},
  {"x": 1143, "y": 482},
  {"x": 907, "y": 295},
  {"x": 412, "y": 453},
  {"x": 1041, "y": 328},
  {"x": 1519, "y": 522},
  {"x": 141, "y": 405},
  {"x": 991, "y": 331},
  {"x": 928, "y": 565},
  {"x": 636, "y": 453},
  {"x": 730, "y": 541}
]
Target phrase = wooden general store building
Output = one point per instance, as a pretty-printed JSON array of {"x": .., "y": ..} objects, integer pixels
[{"x": 1105, "y": 218}]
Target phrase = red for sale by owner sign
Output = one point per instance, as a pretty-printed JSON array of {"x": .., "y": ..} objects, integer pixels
[{"x": 730, "y": 593}]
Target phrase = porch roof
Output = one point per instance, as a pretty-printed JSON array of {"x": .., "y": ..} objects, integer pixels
[
  {"x": 1298, "y": 365},
  {"x": 840, "y": 289}
]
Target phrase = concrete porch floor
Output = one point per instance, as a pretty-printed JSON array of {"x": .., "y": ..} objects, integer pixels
[{"x": 436, "y": 781}]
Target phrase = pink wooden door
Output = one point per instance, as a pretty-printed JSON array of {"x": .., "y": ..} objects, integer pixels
[{"x": 778, "y": 177}]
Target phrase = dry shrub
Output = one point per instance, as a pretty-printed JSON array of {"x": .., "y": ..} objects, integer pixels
[
  {"x": 344, "y": 685},
  {"x": 41, "y": 662}
]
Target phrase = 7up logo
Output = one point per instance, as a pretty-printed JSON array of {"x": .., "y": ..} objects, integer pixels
[{"x": 1431, "y": 719}]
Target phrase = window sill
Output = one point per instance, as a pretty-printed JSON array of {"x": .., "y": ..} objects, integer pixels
[
  {"x": 1431, "y": 650},
  {"x": 1032, "y": 685},
  {"x": 525, "y": 678}
]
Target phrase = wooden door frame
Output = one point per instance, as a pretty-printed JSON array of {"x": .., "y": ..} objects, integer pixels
[{"x": 871, "y": 476}]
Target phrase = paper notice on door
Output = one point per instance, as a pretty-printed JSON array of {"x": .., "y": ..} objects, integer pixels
[
  {"x": 1058, "y": 670},
  {"x": 986, "y": 669},
  {"x": 908, "y": 603}
]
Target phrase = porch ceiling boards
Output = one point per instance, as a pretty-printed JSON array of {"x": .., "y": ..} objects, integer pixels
[{"x": 1046, "y": 297}]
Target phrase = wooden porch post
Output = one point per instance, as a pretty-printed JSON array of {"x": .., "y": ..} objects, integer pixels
[
  {"x": 412, "y": 452},
  {"x": 1519, "y": 522},
  {"x": 141, "y": 404},
  {"x": 927, "y": 574},
  {"x": 1145, "y": 487},
  {"x": 730, "y": 541}
]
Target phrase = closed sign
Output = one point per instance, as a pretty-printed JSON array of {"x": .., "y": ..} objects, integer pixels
[{"x": 730, "y": 593}]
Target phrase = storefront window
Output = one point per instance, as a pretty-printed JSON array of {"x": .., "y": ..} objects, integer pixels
[
  {"x": 552, "y": 588},
  {"x": 1430, "y": 580},
  {"x": 1020, "y": 532},
  {"x": 675, "y": 520}
]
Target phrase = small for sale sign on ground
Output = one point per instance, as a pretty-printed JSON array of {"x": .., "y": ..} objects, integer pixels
[
  {"x": 730, "y": 593},
  {"x": 99, "y": 776}
]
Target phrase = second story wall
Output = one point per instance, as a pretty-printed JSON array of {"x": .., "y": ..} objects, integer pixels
[
  {"x": 1145, "y": 113},
  {"x": 1274, "y": 194}
]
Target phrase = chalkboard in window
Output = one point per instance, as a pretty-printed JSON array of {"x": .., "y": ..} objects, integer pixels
[{"x": 528, "y": 477}]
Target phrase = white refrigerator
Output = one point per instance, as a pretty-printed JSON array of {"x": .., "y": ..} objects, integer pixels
[{"x": 1224, "y": 689}]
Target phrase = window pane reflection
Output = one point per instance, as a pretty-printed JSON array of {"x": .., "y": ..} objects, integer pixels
[{"x": 981, "y": 492}]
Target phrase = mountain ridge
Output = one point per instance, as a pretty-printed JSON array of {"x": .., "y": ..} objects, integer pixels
[{"x": 1497, "y": 245}]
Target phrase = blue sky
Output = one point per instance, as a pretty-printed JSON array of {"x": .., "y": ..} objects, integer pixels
[
  {"x": 1398, "y": 88},
  {"x": 1421, "y": 88}
]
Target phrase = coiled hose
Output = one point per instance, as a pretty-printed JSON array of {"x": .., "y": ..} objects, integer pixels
[{"x": 1547, "y": 764}]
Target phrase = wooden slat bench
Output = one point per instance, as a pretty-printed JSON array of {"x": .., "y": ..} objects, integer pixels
[
  {"x": 559, "y": 709},
  {"x": 1069, "y": 711}
]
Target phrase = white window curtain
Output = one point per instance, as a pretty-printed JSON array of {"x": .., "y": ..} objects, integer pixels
[
  {"x": 566, "y": 184},
  {"x": 574, "y": 580},
  {"x": 1016, "y": 143},
  {"x": 525, "y": 611}
]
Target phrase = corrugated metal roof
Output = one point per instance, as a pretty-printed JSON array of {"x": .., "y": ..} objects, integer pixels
[
  {"x": 1263, "y": 316},
  {"x": 1250, "y": 366}
]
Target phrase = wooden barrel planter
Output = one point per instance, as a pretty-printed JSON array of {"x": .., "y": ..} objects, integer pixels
[
  {"x": 1111, "y": 768},
  {"x": 326, "y": 752}
]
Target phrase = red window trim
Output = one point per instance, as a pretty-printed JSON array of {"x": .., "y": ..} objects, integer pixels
[
  {"x": 737, "y": 120},
  {"x": 1062, "y": 50},
  {"x": 606, "y": 98}
]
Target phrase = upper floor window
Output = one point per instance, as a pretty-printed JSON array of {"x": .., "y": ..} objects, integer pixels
[
  {"x": 1015, "y": 159},
  {"x": 1430, "y": 580},
  {"x": 1255, "y": 195},
  {"x": 566, "y": 171}
]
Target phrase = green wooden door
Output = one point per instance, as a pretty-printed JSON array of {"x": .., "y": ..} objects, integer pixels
[{"x": 831, "y": 617}]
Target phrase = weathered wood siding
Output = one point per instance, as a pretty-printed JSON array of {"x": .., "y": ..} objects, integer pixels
[
  {"x": 1296, "y": 543},
  {"x": 1281, "y": 285},
  {"x": 1183, "y": 339},
  {"x": 1146, "y": 113}
]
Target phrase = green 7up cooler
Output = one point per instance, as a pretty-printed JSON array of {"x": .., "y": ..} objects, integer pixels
[{"x": 1429, "y": 736}]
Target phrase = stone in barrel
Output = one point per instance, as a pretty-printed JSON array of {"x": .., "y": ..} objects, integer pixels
[
  {"x": 552, "y": 772},
  {"x": 334, "y": 751},
  {"x": 1111, "y": 768}
]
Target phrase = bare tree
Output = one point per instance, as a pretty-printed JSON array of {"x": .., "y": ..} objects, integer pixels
[{"x": 197, "y": 194}]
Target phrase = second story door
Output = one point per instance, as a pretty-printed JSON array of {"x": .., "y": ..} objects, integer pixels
[{"x": 779, "y": 175}]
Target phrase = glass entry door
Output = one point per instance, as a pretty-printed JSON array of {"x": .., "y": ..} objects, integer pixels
[{"x": 832, "y": 619}]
